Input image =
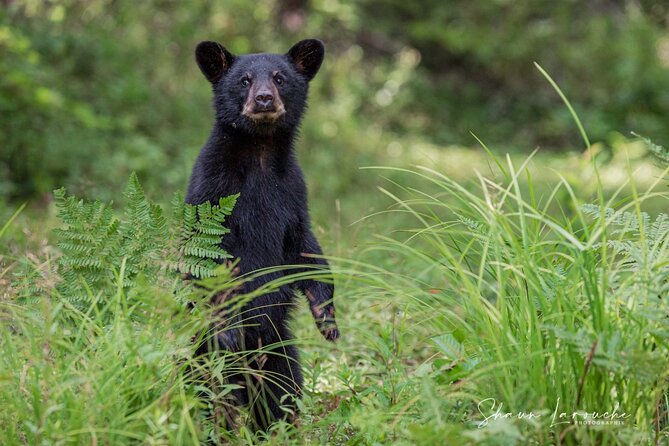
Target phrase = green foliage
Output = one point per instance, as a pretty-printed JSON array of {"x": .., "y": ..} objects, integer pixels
[
  {"x": 201, "y": 232},
  {"x": 477, "y": 59},
  {"x": 66, "y": 380},
  {"x": 503, "y": 289},
  {"x": 119, "y": 77},
  {"x": 102, "y": 253},
  {"x": 111, "y": 351},
  {"x": 640, "y": 246},
  {"x": 527, "y": 308},
  {"x": 68, "y": 86},
  {"x": 659, "y": 152}
]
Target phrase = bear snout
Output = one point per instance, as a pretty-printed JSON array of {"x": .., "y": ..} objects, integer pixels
[{"x": 263, "y": 103}]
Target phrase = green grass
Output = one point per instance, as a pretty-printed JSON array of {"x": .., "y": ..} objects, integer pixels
[
  {"x": 68, "y": 378},
  {"x": 455, "y": 294}
]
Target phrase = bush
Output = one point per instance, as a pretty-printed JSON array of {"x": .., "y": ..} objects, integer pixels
[
  {"x": 476, "y": 67},
  {"x": 93, "y": 90}
]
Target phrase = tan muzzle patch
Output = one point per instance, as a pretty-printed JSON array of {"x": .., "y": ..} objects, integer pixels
[{"x": 255, "y": 112}]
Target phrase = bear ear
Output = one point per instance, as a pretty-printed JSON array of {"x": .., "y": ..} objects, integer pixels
[
  {"x": 307, "y": 55},
  {"x": 213, "y": 59}
]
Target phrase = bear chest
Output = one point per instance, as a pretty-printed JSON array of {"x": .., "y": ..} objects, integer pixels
[{"x": 265, "y": 216}]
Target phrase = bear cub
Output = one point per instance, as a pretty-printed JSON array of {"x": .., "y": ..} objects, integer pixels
[{"x": 259, "y": 100}]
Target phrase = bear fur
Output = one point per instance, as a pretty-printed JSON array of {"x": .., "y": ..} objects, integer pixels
[{"x": 259, "y": 100}]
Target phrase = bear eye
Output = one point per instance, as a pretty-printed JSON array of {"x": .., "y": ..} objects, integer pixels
[
  {"x": 278, "y": 79},
  {"x": 246, "y": 82}
]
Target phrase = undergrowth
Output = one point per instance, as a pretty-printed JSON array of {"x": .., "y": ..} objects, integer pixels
[{"x": 508, "y": 313}]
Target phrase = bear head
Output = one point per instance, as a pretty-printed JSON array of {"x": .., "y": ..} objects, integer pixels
[{"x": 260, "y": 93}]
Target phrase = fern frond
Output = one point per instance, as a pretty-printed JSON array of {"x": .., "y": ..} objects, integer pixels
[
  {"x": 659, "y": 152},
  {"x": 95, "y": 243}
]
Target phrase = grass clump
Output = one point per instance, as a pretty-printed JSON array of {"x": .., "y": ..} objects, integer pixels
[
  {"x": 538, "y": 318},
  {"x": 498, "y": 311},
  {"x": 104, "y": 353},
  {"x": 109, "y": 374}
]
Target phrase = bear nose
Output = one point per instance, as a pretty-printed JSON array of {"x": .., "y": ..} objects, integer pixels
[{"x": 264, "y": 99}]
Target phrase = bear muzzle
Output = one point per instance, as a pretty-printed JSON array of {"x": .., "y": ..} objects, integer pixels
[{"x": 263, "y": 103}]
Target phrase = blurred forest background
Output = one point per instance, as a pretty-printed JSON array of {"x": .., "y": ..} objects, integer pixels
[{"x": 93, "y": 89}]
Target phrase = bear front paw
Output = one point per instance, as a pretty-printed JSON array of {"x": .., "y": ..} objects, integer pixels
[
  {"x": 331, "y": 334},
  {"x": 329, "y": 330}
]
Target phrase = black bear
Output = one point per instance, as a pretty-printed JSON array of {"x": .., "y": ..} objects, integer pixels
[{"x": 259, "y": 100}]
